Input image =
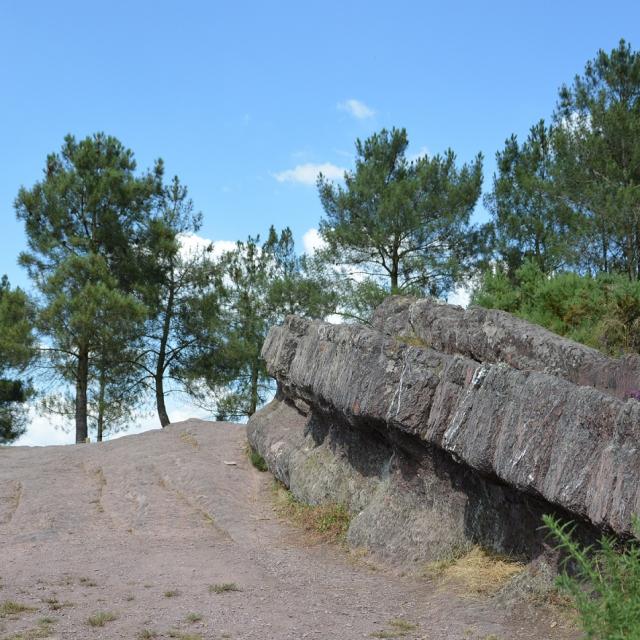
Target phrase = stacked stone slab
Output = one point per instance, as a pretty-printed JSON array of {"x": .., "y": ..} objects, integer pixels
[{"x": 440, "y": 427}]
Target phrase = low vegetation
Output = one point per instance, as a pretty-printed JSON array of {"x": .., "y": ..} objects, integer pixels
[
  {"x": 100, "y": 618},
  {"x": 189, "y": 438},
  {"x": 12, "y": 608},
  {"x": 396, "y": 628},
  {"x": 180, "y": 635},
  {"x": 56, "y": 605},
  {"x": 602, "y": 312},
  {"x": 224, "y": 587},
  {"x": 330, "y": 521},
  {"x": 478, "y": 570},
  {"x": 88, "y": 582},
  {"x": 604, "y": 582},
  {"x": 37, "y": 633},
  {"x": 256, "y": 459}
]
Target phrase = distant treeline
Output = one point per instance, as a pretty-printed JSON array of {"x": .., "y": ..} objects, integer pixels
[{"x": 122, "y": 313}]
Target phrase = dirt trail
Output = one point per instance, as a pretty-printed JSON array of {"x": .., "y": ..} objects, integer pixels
[{"x": 140, "y": 527}]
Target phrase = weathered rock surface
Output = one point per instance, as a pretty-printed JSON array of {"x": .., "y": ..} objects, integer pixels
[{"x": 441, "y": 427}]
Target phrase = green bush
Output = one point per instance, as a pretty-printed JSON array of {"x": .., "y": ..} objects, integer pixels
[
  {"x": 257, "y": 460},
  {"x": 602, "y": 312},
  {"x": 604, "y": 583}
]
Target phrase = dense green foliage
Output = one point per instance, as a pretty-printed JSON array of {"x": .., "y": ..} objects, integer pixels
[
  {"x": 400, "y": 225},
  {"x": 604, "y": 583},
  {"x": 16, "y": 352},
  {"x": 601, "y": 311},
  {"x": 563, "y": 246},
  {"x": 568, "y": 197},
  {"x": 87, "y": 224},
  {"x": 530, "y": 220},
  {"x": 597, "y": 146}
]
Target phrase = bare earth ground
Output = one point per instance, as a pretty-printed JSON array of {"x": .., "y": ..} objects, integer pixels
[{"x": 140, "y": 527}]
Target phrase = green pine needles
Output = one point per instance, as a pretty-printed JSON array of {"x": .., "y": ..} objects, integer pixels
[{"x": 606, "y": 584}]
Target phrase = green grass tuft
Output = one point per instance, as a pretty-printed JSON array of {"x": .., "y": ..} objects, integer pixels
[
  {"x": 256, "y": 459},
  {"x": 223, "y": 587},
  {"x": 12, "y": 608},
  {"x": 330, "y": 520},
  {"x": 100, "y": 618},
  {"x": 180, "y": 635},
  {"x": 397, "y": 628}
]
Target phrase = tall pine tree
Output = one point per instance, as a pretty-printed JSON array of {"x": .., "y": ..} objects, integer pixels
[{"x": 87, "y": 222}]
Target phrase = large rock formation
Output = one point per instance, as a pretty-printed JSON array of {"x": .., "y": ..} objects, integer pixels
[{"x": 440, "y": 427}]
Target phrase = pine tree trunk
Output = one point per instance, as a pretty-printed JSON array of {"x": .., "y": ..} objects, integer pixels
[
  {"x": 162, "y": 358},
  {"x": 253, "y": 405},
  {"x": 394, "y": 278},
  {"x": 101, "y": 406},
  {"x": 162, "y": 409},
  {"x": 82, "y": 383}
]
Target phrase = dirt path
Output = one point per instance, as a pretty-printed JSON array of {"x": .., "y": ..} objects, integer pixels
[{"x": 140, "y": 528}]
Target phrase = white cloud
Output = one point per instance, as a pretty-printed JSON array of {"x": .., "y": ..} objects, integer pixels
[
  {"x": 45, "y": 430},
  {"x": 460, "y": 295},
  {"x": 312, "y": 241},
  {"x": 357, "y": 109},
  {"x": 192, "y": 243},
  {"x": 420, "y": 153},
  {"x": 222, "y": 246},
  {"x": 308, "y": 173}
]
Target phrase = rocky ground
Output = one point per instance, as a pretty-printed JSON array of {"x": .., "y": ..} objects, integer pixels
[{"x": 133, "y": 539}]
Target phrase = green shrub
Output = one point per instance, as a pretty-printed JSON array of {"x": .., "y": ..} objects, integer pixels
[
  {"x": 257, "y": 460},
  {"x": 602, "y": 312},
  {"x": 605, "y": 582},
  {"x": 329, "y": 520}
]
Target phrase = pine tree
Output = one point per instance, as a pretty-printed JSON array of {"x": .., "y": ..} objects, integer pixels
[
  {"x": 87, "y": 222},
  {"x": 16, "y": 353},
  {"x": 400, "y": 225}
]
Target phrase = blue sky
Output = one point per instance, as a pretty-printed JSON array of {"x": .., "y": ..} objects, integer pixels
[
  {"x": 234, "y": 94},
  {"x": 243, "y": 100}
]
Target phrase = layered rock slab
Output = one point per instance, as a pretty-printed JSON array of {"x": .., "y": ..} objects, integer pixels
[{"x": 440, "y": 427}]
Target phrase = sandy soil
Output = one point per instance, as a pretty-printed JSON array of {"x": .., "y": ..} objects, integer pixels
[{"x": 142, "y": 526}]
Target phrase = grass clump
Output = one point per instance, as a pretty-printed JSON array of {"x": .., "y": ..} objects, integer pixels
[
  {"x": 193, "y": 618},
  {"x": 147, "y": 634},
  {"x": 171, "y": 593},
  {"x": 100, "y": 618},
  {"x": 605, "y": 582},
  {"x": 12, "y": 608},
  {"x": 31, "y": 634},
  {"x": 88, "y": 582},
  {"x": 189, "y": 438},
  {"x": 256, "y": 459},
  {"x": 55, "y": 604},
  {"x": 396, "y": 628},
  {"x": 224, "y": 587},
  {"x": 180, "y": 635},
  {"x": 478, "y": 570},
  {"x": 412, "y": 340},
  {"x": 330, "y": 520}
]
